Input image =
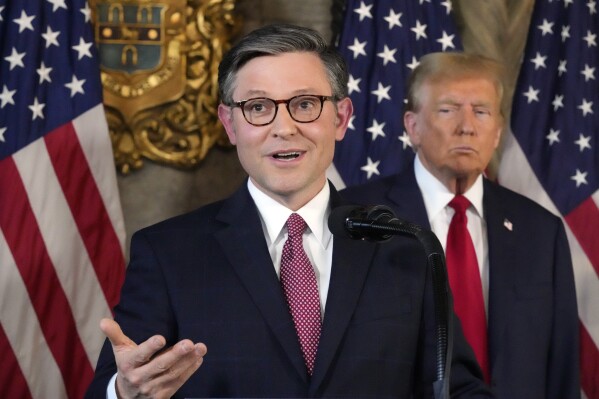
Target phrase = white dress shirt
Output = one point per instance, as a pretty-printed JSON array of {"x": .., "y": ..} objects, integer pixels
[
  {"x": 436, "y": 200},
  {"x": 318, "y": 240}
]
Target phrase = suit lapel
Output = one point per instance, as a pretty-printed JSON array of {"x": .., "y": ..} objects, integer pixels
[
  {"x": 502, "y": 240},
  {"x": 407, "y": 199},
  {"x": 245, "y": 248},
  {"x": 351, "y": 261}
]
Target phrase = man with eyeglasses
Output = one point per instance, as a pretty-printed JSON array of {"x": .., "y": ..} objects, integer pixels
[{"x": 285, "y": 309}]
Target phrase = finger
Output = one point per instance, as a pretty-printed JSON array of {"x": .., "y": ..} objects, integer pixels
[
  {"x": 174, "y": 358},
  {"x": 134, "y": 355},
  {"x": 195, "y": 361},
  {"x": 113, "y": 332},
  {"x": 148, "y": 349},
  {"x": 133, "y": 368},
  {"x": 169, "y": 377}
]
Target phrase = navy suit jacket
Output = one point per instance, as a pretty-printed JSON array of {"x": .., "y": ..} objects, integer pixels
[
  {"x": 532, "y": 312},
  {"x": 208, "y": 276}
]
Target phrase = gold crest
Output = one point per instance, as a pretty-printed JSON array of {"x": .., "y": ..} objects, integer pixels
[{"x": 159, "y": 63}]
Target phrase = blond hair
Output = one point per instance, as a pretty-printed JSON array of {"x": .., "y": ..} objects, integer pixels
[{"x": 439, "y": 67}]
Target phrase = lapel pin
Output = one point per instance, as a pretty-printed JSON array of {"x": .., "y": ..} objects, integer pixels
[{"x": 508, "y": 225}]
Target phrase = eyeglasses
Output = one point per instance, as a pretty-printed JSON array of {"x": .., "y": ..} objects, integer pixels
[{"x": 262, "y": 111}]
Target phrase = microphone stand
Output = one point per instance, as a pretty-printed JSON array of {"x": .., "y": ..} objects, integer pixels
[{"x": 441, "y": 297}]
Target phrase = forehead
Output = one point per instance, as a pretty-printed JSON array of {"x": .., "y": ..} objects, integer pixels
[
  {"x": 469, "y": 87},
  {"x": 281, "y": 76}
]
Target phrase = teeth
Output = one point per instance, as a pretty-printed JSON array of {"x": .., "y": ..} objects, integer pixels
[{"x": 287, "y": 155}]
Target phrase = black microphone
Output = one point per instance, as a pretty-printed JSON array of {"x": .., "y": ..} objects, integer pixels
[
  {"x": 378, "y": 223},
  {"x": 370, "y": 222}
]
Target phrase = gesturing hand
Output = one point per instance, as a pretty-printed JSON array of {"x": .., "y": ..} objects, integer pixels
[{"x": 147, "y": 371}]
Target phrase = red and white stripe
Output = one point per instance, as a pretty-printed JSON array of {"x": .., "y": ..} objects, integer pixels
[
  {"x": 61, "y": 258},
  {"x": 582, "y": 227}
]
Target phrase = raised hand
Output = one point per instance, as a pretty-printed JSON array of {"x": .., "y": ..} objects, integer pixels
[{"x": 148, "y": 370}]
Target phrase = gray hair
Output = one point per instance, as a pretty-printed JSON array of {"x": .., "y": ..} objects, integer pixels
[
  {"x": 436, "y": 67},
  {"x": 279, "y": 39}
]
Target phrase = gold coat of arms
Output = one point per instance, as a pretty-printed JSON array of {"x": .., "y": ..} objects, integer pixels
[{"x": 159, "y": 62}]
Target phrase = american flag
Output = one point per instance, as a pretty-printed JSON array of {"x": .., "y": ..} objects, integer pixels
[
  {"x": 382, "y": 42},
  {"x": 61, "y": 225},
  {"x": 552, "y": 154}
]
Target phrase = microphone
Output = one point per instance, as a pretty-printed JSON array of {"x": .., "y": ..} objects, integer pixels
[
  {"x": 372, "y": 222},
  {"x": 378, "y": 223}
]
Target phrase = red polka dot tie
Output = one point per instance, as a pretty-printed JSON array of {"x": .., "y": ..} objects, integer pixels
[
  {"x": 465, "y": 282},
  {"x": 301, "y": 291}
]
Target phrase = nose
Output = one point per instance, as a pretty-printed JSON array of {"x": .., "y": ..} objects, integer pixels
[
  {"x": 467, "y": 123},
  {"x": 283, "y": 125}
]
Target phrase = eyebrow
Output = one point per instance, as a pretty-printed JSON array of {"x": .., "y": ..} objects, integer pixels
[
  {"x": 451, "y": 101},
  {"x": 262, "y": 93},
  {"x": 256, "y": 93}
]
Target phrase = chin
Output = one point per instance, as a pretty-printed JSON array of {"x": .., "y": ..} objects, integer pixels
[
  {"x": 285, "y": 186},
  {"x": 465, "y": 166}
]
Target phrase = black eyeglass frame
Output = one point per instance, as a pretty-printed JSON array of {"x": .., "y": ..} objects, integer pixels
[{"x": 240, "y": 104}]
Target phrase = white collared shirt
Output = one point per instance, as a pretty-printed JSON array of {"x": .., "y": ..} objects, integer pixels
[
  {"x": 318, "y": 240},
  {"x": 436, "y": 199}
]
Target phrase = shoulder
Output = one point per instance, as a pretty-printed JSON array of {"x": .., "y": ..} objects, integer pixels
[
  {"x": 516, "y": 206},
  {"x": 372, "y": 188},
  {"x": 200, "y": 218},
  {"x": 207, "y": 218}
]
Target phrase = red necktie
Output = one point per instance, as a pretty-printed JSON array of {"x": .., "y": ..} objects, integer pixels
[
  {"x": 301, "y": 291},
  {"x": 465, "y": 282}
]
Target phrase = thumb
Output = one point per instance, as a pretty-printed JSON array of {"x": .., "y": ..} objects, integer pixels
[{"x": 113, "y": 332}]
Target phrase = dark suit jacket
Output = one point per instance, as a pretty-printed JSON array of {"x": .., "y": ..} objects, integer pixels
[
  {"x": 208, "y": 276},
  {"x": 533, "y": 319}
]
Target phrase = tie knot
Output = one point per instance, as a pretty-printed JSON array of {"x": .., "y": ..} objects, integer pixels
[
  {"x": 295, "y": 225},
  {"x": 459, "y": 203}
]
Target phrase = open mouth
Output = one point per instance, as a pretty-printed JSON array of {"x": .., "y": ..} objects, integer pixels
[{"x": 286, "y": 156}]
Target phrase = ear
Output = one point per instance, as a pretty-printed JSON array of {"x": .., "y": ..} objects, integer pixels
[
  {"x": 225, "y": 114},
  {"x": 345, "y": 110},
  {"x": 497, "y": 138},
  {"x": 409, "y": 121}
]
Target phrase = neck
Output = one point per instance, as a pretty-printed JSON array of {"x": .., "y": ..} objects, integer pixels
[
  {"x": 296, "y": 199},
  {"x": 458, "y": 185}
]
